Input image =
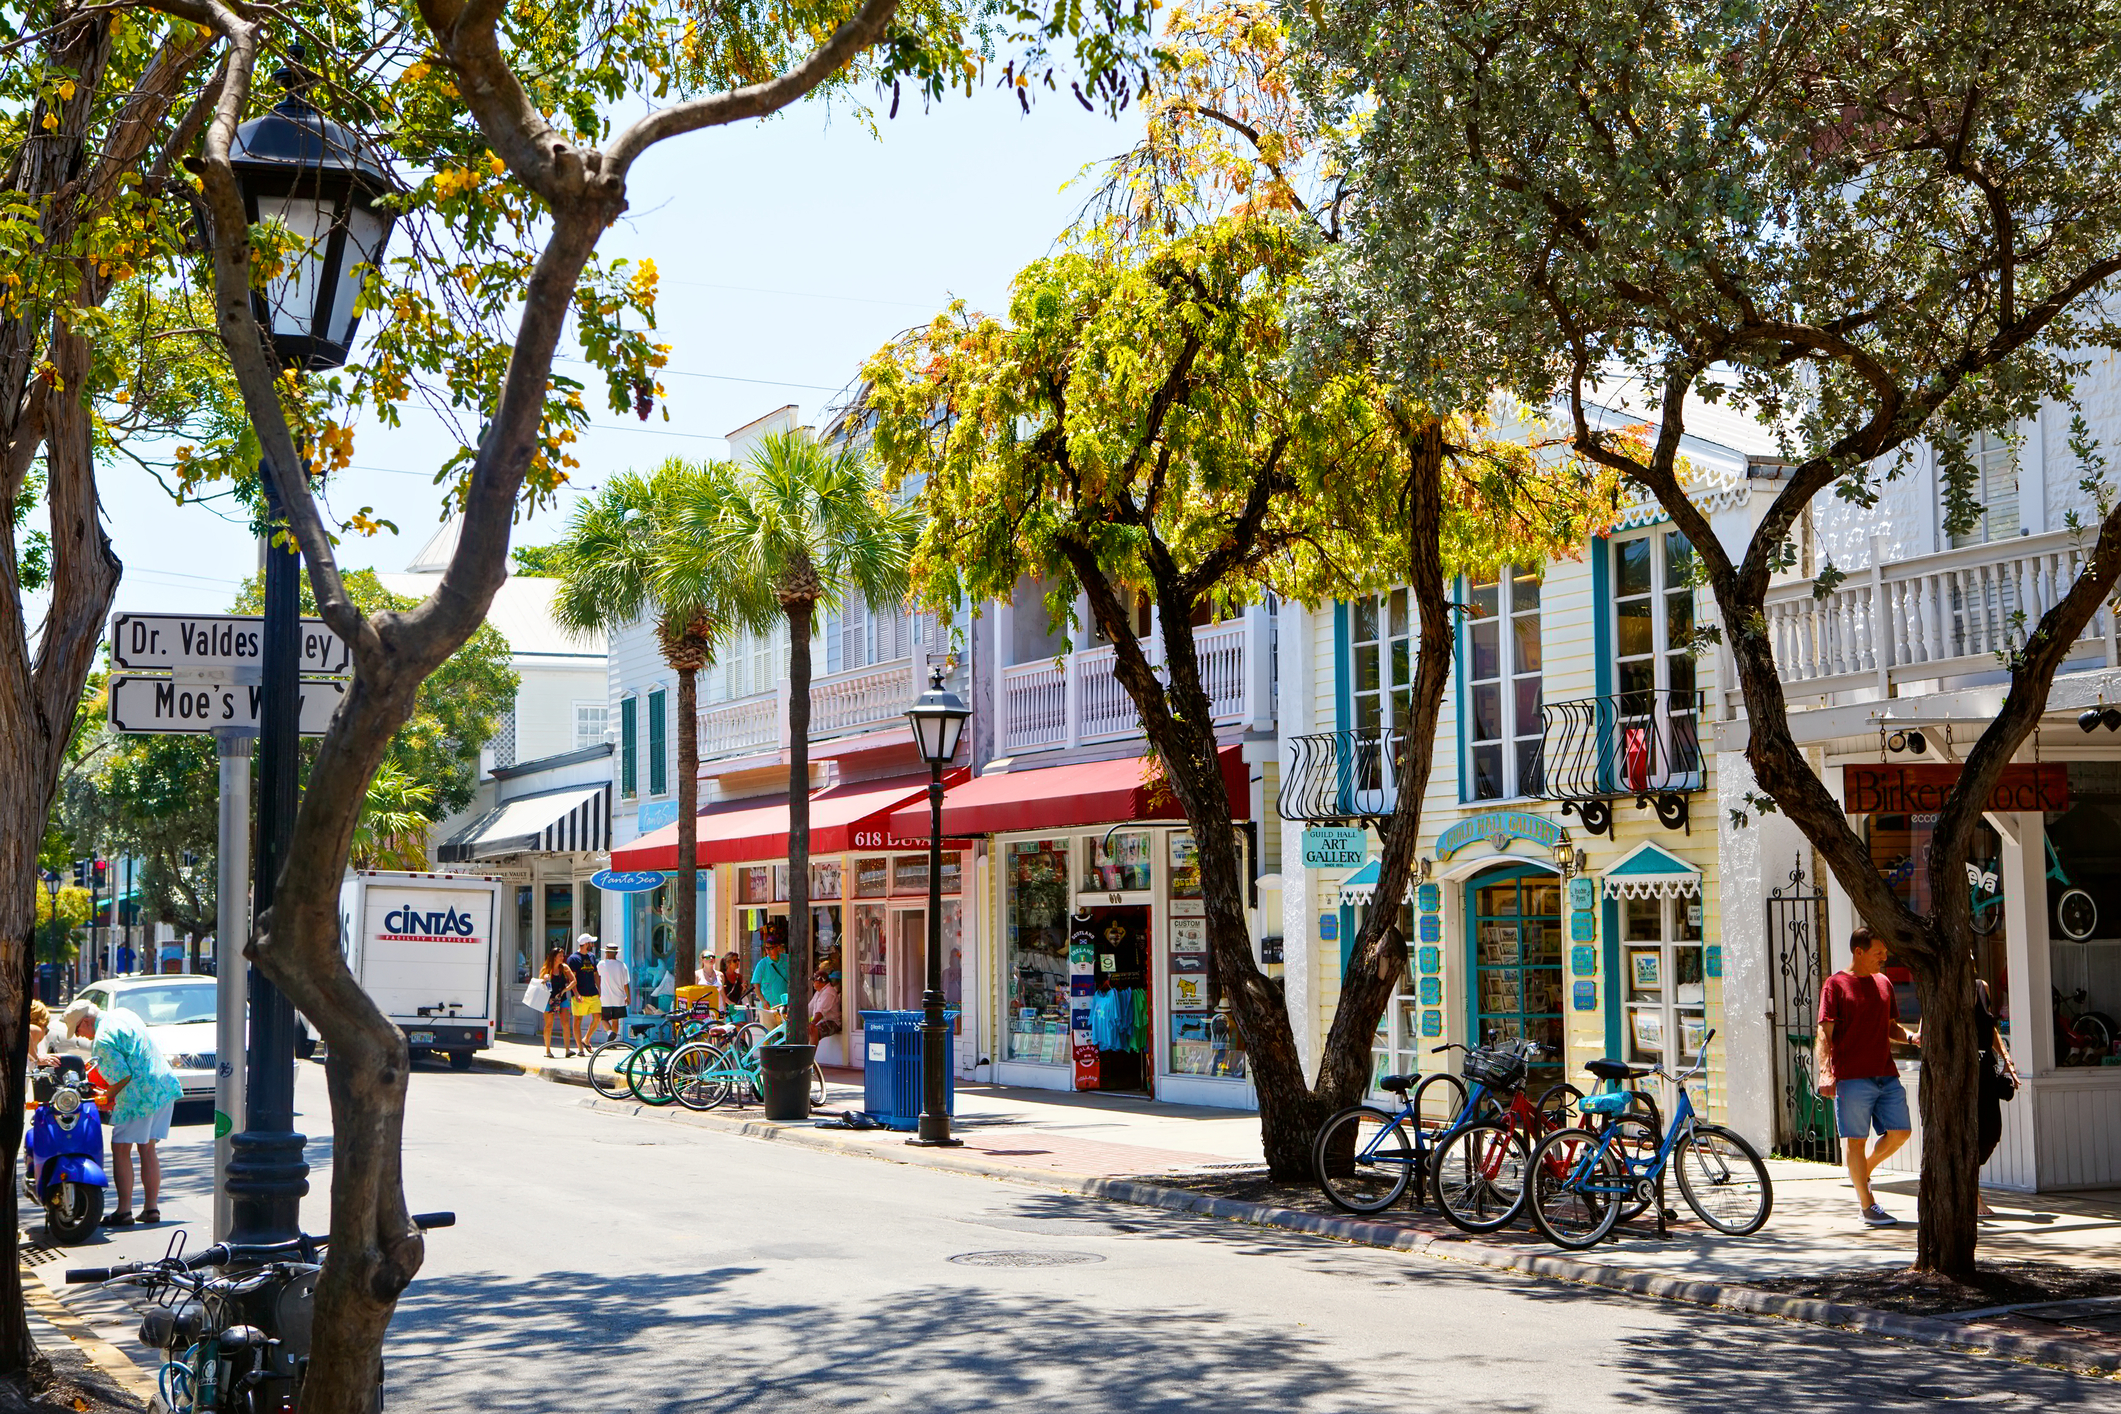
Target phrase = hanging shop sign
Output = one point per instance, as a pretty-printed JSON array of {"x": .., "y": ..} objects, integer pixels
[
  {"x": 1334, "y": 847},
  {"x": 1498, "y": 828},
  {"x": 628, "y": 881},
  {"x": 1885, "y": 788}
]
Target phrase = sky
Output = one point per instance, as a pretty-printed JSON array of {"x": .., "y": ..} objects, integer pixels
[{"x": 789, "y": 250}]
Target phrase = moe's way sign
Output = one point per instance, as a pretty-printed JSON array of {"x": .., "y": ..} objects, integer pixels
[
  {"x": 167, "y": 642},
  {"x": 151, "y": 705},
  {"x": 1890, "y": 789}
]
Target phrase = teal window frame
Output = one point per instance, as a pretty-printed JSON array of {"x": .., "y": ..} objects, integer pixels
[
  {"x": 658, "y": 742},
  {"x": 629, "y": 747}
]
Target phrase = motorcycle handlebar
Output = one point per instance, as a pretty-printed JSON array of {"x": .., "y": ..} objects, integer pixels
[{"x": 79, "y": 1275}]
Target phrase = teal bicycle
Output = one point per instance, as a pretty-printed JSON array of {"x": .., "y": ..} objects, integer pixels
[
  {"x": 2075, "y": 914},
  {"x": 1584, "y": 1180},
  {"x": 706, "y": 1073}
]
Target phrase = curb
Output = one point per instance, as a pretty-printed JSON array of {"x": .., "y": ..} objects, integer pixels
[
  {"x": 99, "y": 1352},
  {"x": 1937, "y": 1331}
]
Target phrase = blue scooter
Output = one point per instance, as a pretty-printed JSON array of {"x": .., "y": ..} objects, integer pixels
[{"x": 62, "y": 1159}]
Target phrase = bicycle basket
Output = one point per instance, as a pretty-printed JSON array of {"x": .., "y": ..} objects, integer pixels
[{"x": 1498, "y": 1070}]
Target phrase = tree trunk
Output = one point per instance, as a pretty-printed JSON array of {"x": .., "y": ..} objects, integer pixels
[
  {"x": 687, "y": 901},
  {"x": 800, "y": 612},
  {"x": 1950, "y": 1202}
]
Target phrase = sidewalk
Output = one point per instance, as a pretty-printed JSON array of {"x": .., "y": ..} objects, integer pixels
[{"x": 1209, "y": 1161}]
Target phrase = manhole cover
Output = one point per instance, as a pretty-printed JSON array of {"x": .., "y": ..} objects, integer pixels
[{"x": 1025, "y": 1259}]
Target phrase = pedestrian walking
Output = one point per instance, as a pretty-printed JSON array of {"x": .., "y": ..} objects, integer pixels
[
  {"x": 614, "y": 989},
  {"x": 586, "y": 1005},
  {"x": 1859, "y": 1019},
  {"x": 559, "y": 980},
  {"x": 143, "y": 1096}
]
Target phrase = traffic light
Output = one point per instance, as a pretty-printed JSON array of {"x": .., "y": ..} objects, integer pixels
[
  {"x": 102, "y": 876},
  {"x": 81, "y": 873}
]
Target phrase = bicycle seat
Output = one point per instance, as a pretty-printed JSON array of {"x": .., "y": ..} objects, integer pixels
[
  {"x": 1610, "y": 1069},
  {"x": 1397, "y": 1084}
]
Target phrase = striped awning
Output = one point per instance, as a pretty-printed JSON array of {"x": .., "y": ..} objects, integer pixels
[{"x": 570, "y": 820}]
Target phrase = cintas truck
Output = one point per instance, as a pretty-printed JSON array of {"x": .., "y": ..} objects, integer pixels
[{"x": 422, "y": 947}]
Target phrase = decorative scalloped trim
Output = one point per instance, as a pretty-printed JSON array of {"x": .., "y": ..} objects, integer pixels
[{"x": 1653, "y": 886}]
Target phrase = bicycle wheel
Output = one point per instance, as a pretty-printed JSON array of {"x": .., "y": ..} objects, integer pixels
[
  {"x": 1723, "y": 1180},
  {"x": 1362, "y": 1159},
  {"x": 648, "y": 1073},
  {"x": 1577, "y": 1184},
  {"x": 698, "y": 1079},
  {"x": 606, "y": 1074},
  {"x": 817, "y": 1085},
  {"x": 1479, "y": 1176}
]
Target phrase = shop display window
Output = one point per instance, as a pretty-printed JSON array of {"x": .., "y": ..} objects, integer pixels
[
  {"x": 872, "y": 967},
  {"x": 1035, "y": 874},
  {"x": 909, "y": 874},
  {"x": 1661, "y": 970},
  {"x": 953, "y": 873},
  {"x": 1515, "y": 923},
  {"x": 559, "y": 916},
  {"x": 872, "y": 877},
  {"x": 650, "y": 925},
  {"x": 1899, "y": 847},
  {"x": 1204, "y": 1039},
  {"x": 825, "y": 881},
  {"x": 2083, "y": 920},
  {"x": 754, "y": 883},
  {"x": 1117, "y": 862},
  {"x": 530, "y": 959}
]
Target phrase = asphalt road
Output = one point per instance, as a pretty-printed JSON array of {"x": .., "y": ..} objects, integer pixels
[{"x": 615, "y": 1263}]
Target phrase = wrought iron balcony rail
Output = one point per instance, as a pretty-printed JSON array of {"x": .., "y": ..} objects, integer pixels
[
  {"x": 1342, "y": 775},
  {"x": 1641, "y": 744}
]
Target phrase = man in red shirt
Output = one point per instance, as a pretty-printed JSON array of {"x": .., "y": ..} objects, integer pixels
[{"x": 1859, "y": 1019}]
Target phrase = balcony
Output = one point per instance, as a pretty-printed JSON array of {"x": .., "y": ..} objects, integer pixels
[
  {"x": 1641, "y": 744},
  {"x": 841, "y": 704},
  {"x": 1077, "y": 699},
  {"x": 1341, "y": 776},
  {"x": 1948, "y": 615}
]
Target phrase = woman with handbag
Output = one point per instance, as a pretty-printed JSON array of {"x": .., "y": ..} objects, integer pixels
[
  {"x": 1998, "y": 1078},
  {"x": 559, "y": 996}
]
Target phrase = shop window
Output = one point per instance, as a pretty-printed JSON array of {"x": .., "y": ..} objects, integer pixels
[
  {"x": 909, "y": 874},
  {"x": 559, "y": 917},
  {"x": 1117, "y": 862},
  {"x": 530, "y": 958},
  {"x": 1502, "y": 721},
  {"x": 1661, "y": 971},
  {"x": 1399, "y": 1048},
  {"x": 1185, "y": 867},
  {"x": 825, "y": 881},
  {"x": 953, "y": 874},
  {"x": 1517, "y": 986},
  {"x": 872, "y": 877},
  {"x": 1899, "y": 848},
  {"x": 658, "y": 745},
  {"x": 629, "y": 748},
  {"x": 754, "y": 883},
  {"x": 651, "y": 926},
  {"x": 1035, "y": 874},
  {"x": 2083, "y": 921}
]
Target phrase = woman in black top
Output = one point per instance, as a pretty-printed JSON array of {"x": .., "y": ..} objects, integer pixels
[
  {"x": 1989, "y": 1111},
  {"x": 559, "y": 983}
]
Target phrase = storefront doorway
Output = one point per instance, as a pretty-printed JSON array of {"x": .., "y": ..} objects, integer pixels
[
  {"x": 1110, "y": 999},
  {"x": 1513, "y": 937}
]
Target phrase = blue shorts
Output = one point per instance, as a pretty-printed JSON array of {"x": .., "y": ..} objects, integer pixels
[{"x": 1879, "y": 1101}]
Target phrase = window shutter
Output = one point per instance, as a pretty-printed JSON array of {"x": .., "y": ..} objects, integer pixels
[
  {"x": 657, "y": 767},
  {"x": 629, "y": 748}
]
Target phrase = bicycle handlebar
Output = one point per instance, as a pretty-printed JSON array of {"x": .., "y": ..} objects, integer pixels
[
  {"x": 1701, "y": 1061},
  {"x": 222, "y": 1254}
]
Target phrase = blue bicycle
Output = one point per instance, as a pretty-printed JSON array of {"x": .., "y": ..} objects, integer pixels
[{"x": 1584, "y": 1180}]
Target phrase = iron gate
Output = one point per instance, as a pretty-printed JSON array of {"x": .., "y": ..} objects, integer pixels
[{"x": 1796, "y": 925}]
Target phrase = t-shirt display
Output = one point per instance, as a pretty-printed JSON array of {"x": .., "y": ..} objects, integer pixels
[{"x": 1035, "y": 873}]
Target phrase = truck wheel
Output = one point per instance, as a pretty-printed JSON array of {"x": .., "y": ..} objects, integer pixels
[
  {"x": 74, "y": 1211},
  {"x": 460, "y": 1060}
]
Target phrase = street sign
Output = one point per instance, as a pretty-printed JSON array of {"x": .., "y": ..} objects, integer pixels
[
  {"x": 175, "y": 642},
  {"x": 146, "y": 705}
]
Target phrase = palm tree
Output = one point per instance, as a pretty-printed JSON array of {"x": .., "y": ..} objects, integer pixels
[
  {"x": 624, "y": 556},
  {"x": 807, "y": 523},
  {"x": 392, "y": 831}
]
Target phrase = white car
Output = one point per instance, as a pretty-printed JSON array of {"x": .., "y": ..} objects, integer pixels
[{"x": 180, "y": 1015}]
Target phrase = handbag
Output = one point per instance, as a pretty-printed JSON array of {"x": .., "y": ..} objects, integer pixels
[
  {"x": 1996, "y": 1082},
  {"x": 536, "y": 992}
]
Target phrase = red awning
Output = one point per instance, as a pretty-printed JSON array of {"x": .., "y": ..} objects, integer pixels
[
  {"x": 1065, "y": 797},
  {"x": 843, "y": 818}
]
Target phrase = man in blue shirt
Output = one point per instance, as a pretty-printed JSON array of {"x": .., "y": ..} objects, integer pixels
[{"x": 769, "y": 976}]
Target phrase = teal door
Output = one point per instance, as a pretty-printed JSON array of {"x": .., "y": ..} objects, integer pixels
[{"x": 1513, "y": 956}]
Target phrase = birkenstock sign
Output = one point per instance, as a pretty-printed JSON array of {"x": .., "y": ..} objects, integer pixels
[{"x": 1881, "y": 788}]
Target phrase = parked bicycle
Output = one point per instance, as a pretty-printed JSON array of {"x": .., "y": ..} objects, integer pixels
[
  {"x": 2083, "y": 1035},
  {"x": 1584, "y": 1180},
  {"x": 637, "y": 1066},
  {"x": 705, "y": 1073},
  {"x": 1366, "y": 1157},
  {"x": 236, "y": 1342}
]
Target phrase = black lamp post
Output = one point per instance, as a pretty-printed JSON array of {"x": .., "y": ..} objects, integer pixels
[
  {"x": 315, "y": 178},
  {"x": 938, "y": 716}
]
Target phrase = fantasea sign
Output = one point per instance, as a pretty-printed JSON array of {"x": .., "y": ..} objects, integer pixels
[{"x": 1882, "y": 788}]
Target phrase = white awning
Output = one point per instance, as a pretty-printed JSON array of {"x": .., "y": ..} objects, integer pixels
[{"x": 573, "y": 819}]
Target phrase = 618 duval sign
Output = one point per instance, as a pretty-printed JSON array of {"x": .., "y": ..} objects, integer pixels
[{"x": 146, "y": 705}]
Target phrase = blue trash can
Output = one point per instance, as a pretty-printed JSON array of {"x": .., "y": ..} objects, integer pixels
[{"x": 891, "y": 1068}]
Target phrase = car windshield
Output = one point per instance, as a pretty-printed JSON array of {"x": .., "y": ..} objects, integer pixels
[{"x": 168, "y": 1006}]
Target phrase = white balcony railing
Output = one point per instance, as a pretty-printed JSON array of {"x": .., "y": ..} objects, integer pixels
[
  {"x": 863, "y": 699},
  {"x": 1933, "y": 616},
  {"x": 1078, "y": 698}
]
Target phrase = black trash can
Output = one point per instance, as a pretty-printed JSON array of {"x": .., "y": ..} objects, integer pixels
[{"x": 784, "y": 1072}]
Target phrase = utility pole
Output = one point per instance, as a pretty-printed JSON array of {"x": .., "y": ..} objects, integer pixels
[{"x": 232, "y": 926}]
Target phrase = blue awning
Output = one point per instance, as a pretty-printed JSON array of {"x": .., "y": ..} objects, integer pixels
[{"x": 1647, "y": 871}]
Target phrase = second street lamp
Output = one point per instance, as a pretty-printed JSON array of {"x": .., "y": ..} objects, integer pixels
[
  {"x": 938, "y": 718},
  {"x": 315, "y": 178}
]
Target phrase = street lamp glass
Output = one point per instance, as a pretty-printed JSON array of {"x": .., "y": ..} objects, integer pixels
[{"x": 938, "y": 717}]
